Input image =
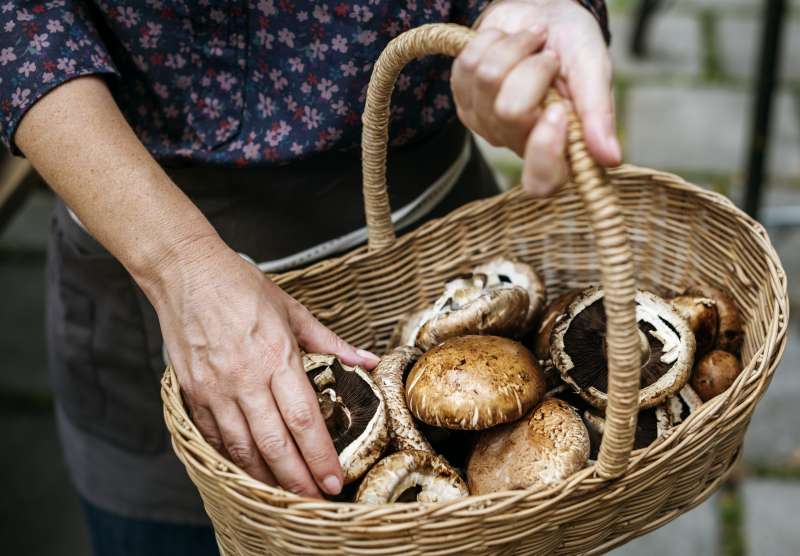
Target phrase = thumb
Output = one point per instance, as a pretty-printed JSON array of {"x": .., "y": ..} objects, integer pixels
[{"x": 314, "y": 337}]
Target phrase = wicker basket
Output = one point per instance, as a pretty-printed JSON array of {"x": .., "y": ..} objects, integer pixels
[{"x": 630, "y": 228}]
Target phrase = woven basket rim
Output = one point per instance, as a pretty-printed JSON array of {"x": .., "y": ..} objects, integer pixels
[{"x": 759, "y": 370}]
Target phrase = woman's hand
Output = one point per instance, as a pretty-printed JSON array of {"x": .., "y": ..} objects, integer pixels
[
  {"x": 500, "y": 80},
  {"x": 233, "y": 339}
]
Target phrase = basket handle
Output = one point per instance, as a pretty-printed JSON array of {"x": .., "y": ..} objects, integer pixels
[{"x": 599, "y": 200}]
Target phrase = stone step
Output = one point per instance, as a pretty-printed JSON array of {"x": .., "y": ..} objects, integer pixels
[{"x": 771, "y": 508}]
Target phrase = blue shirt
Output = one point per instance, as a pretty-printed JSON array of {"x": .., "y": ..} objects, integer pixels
[{"x": 230, "y": 82}]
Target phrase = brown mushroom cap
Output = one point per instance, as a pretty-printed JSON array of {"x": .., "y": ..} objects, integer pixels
[
  {"x": 701, "y": 314},
  {"x": 354, "y": 411},
  {"x": 547, "y": 446},
  {"x": 389, "y": 375},
  {"x": 519, "y": 274},
  {"x": 474, "y": 382},
  {"x": 401, "y": 471},
  {"x": 578, "y": 341},
  {"x": 730, "y": 333},
  {"x": 474, "y": 304},
  {"x": 714, "y": 373}
]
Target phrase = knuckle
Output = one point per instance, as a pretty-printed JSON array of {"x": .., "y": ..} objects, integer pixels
[
  {"x": 300, "y": 417},
  {"x": 549, "y": 60},
  {"x": 240, "y": 454},
  {"x": 488, "y": 75},
  {"x": 320, "y": 458},
  {"x": 299, "y": 487},
  {"x": 273, "y": 445}
]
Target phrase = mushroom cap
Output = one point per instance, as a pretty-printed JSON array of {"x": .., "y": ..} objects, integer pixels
[
  {"x": 405, "y": 331},
  {"x": 555, "y": 309},
  {"x": 522, "y": 275},
  {"x": 474, "y": 304},
  {"x": 357, "y": 423},
  {"x": 684, "y": 404},
  {"x": 730, "y": 333},
  {"x": 401, "y": 471},
  {"x": 701, "y": 314},
  {"x": 714, "y": 373},
  {"x": 474, "y": 382},
  {"x": 389, "y": 375},
  {"x": 547, "y": 446},
  {"x": 578, "y": 339},
  {"x": 651, "y": 423}
]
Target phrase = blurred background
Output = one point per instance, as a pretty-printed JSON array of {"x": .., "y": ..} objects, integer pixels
[{"x": 687, "y": 102}]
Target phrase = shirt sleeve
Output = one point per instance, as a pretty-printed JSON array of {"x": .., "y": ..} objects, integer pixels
[
  {"x": 598, "y": 9},
  {"x": 42, "y": 45}
]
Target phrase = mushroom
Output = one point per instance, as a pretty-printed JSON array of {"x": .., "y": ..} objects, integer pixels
[
  {"x": 651, "y": 423},
  {"x": 667, "y": 348},
  {"x": 474, "y": 382},
  {"x": 354, "y": 412},
  {"x": 541, "y": 340},
  {"x": 730, "y": 333},
  {"x": 684, "y": 404},
  {"x": 389, "y": 375},
  {"x": 474, "y": 304},
  {"x": 405, "y": 332},
  {"x": 547, "y": 446},
  {"x": 411, "y": 472},
  {"x": 519, "y": 274},
  {"x": 714, "y": 373},
  {"x": 701, "y": 314}
]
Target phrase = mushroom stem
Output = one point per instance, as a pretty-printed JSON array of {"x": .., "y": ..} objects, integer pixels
[
  {"x": 333, "y": 411},
  {"x": 397, "y": 473},
  {"x": 389, "y": 376}
]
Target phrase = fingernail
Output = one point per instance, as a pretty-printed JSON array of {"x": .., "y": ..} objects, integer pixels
[
  {"x": 332, "y": 485},
  {"x": 554, "y": 113},
  {"x": 368, "y": 355}
]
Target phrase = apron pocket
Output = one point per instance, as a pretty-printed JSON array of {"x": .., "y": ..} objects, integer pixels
[{"x": 99, "y": 354}]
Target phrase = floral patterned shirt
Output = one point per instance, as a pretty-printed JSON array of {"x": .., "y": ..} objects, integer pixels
[{"x": 230, "y": 82}]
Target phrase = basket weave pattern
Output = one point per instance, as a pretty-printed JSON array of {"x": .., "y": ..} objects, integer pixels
[{"x": 630, "y": 228}]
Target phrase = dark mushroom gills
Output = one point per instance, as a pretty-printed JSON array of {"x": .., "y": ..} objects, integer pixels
[{"x": 354, "y": 412}]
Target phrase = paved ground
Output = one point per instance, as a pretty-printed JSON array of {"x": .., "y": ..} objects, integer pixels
[{"x": 684, "y": 110}]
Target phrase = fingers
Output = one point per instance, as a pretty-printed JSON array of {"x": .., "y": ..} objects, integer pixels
[
  {"x": 467, "y": 62},
  {"x": 480, "y": 72},
  {"x": 316, "y": 338},
  {"x": 521, "y": 94},
  {"x": 238, "y": 441},
  {"x": 545, "y": 167},
  {"x": 589, "y": 81},
  {"x": 207, "y": 425},
  {"x": 495, "y": 64},
  {"x": 298, "y": 405},
  {"x": 275, "y": 444}
]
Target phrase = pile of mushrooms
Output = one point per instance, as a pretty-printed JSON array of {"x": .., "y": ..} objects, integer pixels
[
  {"x": 689, "y": 354},
  {"x": 459, "y": 405}
]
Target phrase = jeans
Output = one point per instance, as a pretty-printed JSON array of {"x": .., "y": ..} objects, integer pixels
[{"x": 115, "y": 535}]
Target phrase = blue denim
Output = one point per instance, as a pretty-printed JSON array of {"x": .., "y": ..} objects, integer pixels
[{"x": 114, "y": 535}]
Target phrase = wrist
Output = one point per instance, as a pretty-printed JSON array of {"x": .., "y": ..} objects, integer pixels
[{"x": 175, "y": 259}]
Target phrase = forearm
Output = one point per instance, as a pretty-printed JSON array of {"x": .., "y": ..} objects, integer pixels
[{"x": 78, "y": 140}]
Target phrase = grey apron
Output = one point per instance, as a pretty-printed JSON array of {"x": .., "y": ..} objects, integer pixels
[{"x": 104, "y": 342}]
